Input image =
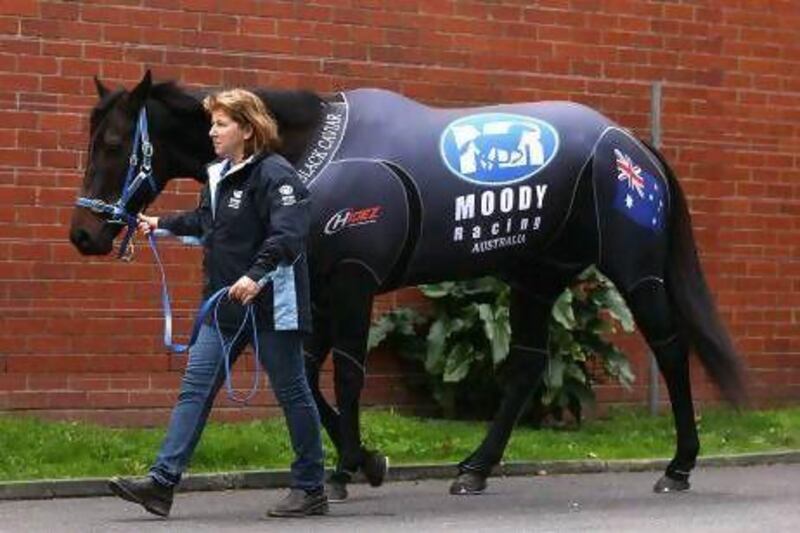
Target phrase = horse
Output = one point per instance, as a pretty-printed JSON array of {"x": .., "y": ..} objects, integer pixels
[{"x": 405, "y": 194}]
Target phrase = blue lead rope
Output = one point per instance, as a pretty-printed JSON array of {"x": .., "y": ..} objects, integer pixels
[
  {"x": 208, "y": 306},
  {"x": 167, "y": 306},
  {"x": 227, "y": 346}
]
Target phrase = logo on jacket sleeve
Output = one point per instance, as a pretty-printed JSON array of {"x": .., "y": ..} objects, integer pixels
[
  {"x": 236, "y": 199},
  {"x": 287, "y": 195},
  {"x": 497, "y": 148}
]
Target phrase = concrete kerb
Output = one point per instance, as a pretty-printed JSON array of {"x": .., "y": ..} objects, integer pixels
[{"x": 263, "y": 479}]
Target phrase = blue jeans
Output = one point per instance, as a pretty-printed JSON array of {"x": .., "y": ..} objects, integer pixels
[{"x": 281, "y": 354}]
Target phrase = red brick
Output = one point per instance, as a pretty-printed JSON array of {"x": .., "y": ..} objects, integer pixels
[
  {"x": 28, "y": 8},
  {"x": 122, "y": 34},
  {"x": 46, "y": 383},
  {"x": 150, "y": 399},
  {"x": 38, "y": 64},
  {"x": 9, "y": 26},
  {"x": 102, "y": 51},
  {"x": 13, "y": 382},
  {"x": 27, "y": 400},
  {"x": 215, "y": 22},
  {"x": 202, "y": 75},
  {"x": 139, "y": 55},
  {"x": 121, "y": 71},
  {"x": 180, "y": 20},
  {"x": 158, "y": 36},
  {"x": 105, "y": 400},
  {"x": 59, "y": 122}
]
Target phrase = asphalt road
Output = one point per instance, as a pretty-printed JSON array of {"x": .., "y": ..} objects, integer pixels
[{"x": 754, "y": 499}]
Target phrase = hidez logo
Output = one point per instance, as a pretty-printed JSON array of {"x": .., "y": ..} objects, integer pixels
[
  {"x": 497, "y": 148},
  {"x": 350, "y": 217}
]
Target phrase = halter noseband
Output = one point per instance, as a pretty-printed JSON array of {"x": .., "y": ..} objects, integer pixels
[{"x": 137, "y": 175}]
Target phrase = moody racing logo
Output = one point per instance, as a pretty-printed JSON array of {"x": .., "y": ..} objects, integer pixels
[
  {"x": 497, "y": 148},
  {"x": 349, "y": 217},
  {"x": 498, "y": 218}
]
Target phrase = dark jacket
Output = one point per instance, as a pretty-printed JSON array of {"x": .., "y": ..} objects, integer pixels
[{"x": 259, "y": 227}]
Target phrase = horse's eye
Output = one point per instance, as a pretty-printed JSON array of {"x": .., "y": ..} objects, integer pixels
[{"x": 112, "y": 141}]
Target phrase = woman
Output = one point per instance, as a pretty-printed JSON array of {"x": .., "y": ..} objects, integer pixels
[{"x": 253, "y": 219}]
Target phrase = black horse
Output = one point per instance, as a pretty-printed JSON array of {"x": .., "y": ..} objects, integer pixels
[{"x": 405, "y": 194}]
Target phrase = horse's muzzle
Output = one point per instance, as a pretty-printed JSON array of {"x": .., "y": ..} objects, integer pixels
[
  {"x": 90, "y": 235},
  {"x": 84, "y": 243}
]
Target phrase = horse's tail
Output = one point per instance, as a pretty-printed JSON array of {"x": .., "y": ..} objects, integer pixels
[{"x": 690, "y": 295}]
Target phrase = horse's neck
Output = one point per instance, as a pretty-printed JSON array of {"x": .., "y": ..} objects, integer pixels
[
  {"x": 192, "y": 147},
  {"x": 299, "y": 114}
]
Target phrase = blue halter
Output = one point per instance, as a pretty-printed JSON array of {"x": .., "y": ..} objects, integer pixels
[{"x": 137, "y": 175}]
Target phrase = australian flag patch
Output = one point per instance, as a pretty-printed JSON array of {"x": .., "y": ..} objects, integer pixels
[{"x": 640, "y": 195}]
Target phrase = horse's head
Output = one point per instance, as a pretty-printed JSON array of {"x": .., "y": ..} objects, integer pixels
[{"x": 138, "y": 140}]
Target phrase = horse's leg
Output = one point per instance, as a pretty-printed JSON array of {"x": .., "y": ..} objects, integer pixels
[
  {"x": 352, "y": 291},
  {"x": 657, "y": 271},
  {"x": 651, "y": 307},
  {"x": 522, "y": 372},
  {"x": 316, "y": 348}
]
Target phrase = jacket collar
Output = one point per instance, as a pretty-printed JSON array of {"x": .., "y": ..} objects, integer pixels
[{"x": 215, "y": 168}]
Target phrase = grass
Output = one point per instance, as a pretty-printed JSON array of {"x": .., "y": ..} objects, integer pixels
[{"x": 35, "y": 449}]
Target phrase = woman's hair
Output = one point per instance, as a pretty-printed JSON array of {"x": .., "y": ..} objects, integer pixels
[{"x": 247, "y": 109}]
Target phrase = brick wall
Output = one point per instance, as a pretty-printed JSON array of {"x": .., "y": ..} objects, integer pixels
[{"x": 81, "y": 338}]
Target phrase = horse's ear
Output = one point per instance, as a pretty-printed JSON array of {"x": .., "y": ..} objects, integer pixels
[
  {"x": 102, "y": 90},
  {"x": 140, "y": 92}
]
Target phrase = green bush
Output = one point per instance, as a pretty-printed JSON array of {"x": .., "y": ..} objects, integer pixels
[{"x": 467, "y": 335}]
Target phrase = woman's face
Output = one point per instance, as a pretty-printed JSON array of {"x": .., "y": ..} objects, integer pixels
[{"x": 228, "y": 136}]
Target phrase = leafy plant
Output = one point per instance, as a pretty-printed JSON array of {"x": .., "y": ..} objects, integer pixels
[
  {"x": 468, "y": 337},
  {"x": 582, "y": 318}
]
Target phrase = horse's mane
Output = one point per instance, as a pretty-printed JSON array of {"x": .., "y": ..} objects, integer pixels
[
  {"x": 176, "y": 98},
  {"x": 297, "y": 112},
  {"x": 294, "y": 110}
]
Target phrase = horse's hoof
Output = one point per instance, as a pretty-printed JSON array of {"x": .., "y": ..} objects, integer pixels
[
  {"x": 667, "y": 484},
  {"x": 468, "y": 483},
  {"x": 375, "y": 468},
  {"x": 336, "y": 491}
]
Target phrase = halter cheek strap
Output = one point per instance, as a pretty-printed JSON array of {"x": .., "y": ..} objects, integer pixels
[{"x": 138, "y": 174}]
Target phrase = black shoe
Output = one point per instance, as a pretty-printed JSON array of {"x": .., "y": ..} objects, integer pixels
[
  {"x": 337, "y": 490},
  {"x": 150, "y": 494},
  {"x": 468, "y": 483},
  {"x": 375, "y": 467},
  {"x": 670, "y": 484},
  {"x": 301, "y": 503}
]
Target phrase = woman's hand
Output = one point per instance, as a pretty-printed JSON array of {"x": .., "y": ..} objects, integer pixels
[
  {"x": 244, "y": 290},
  {"x": 147, "y": 224}
]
